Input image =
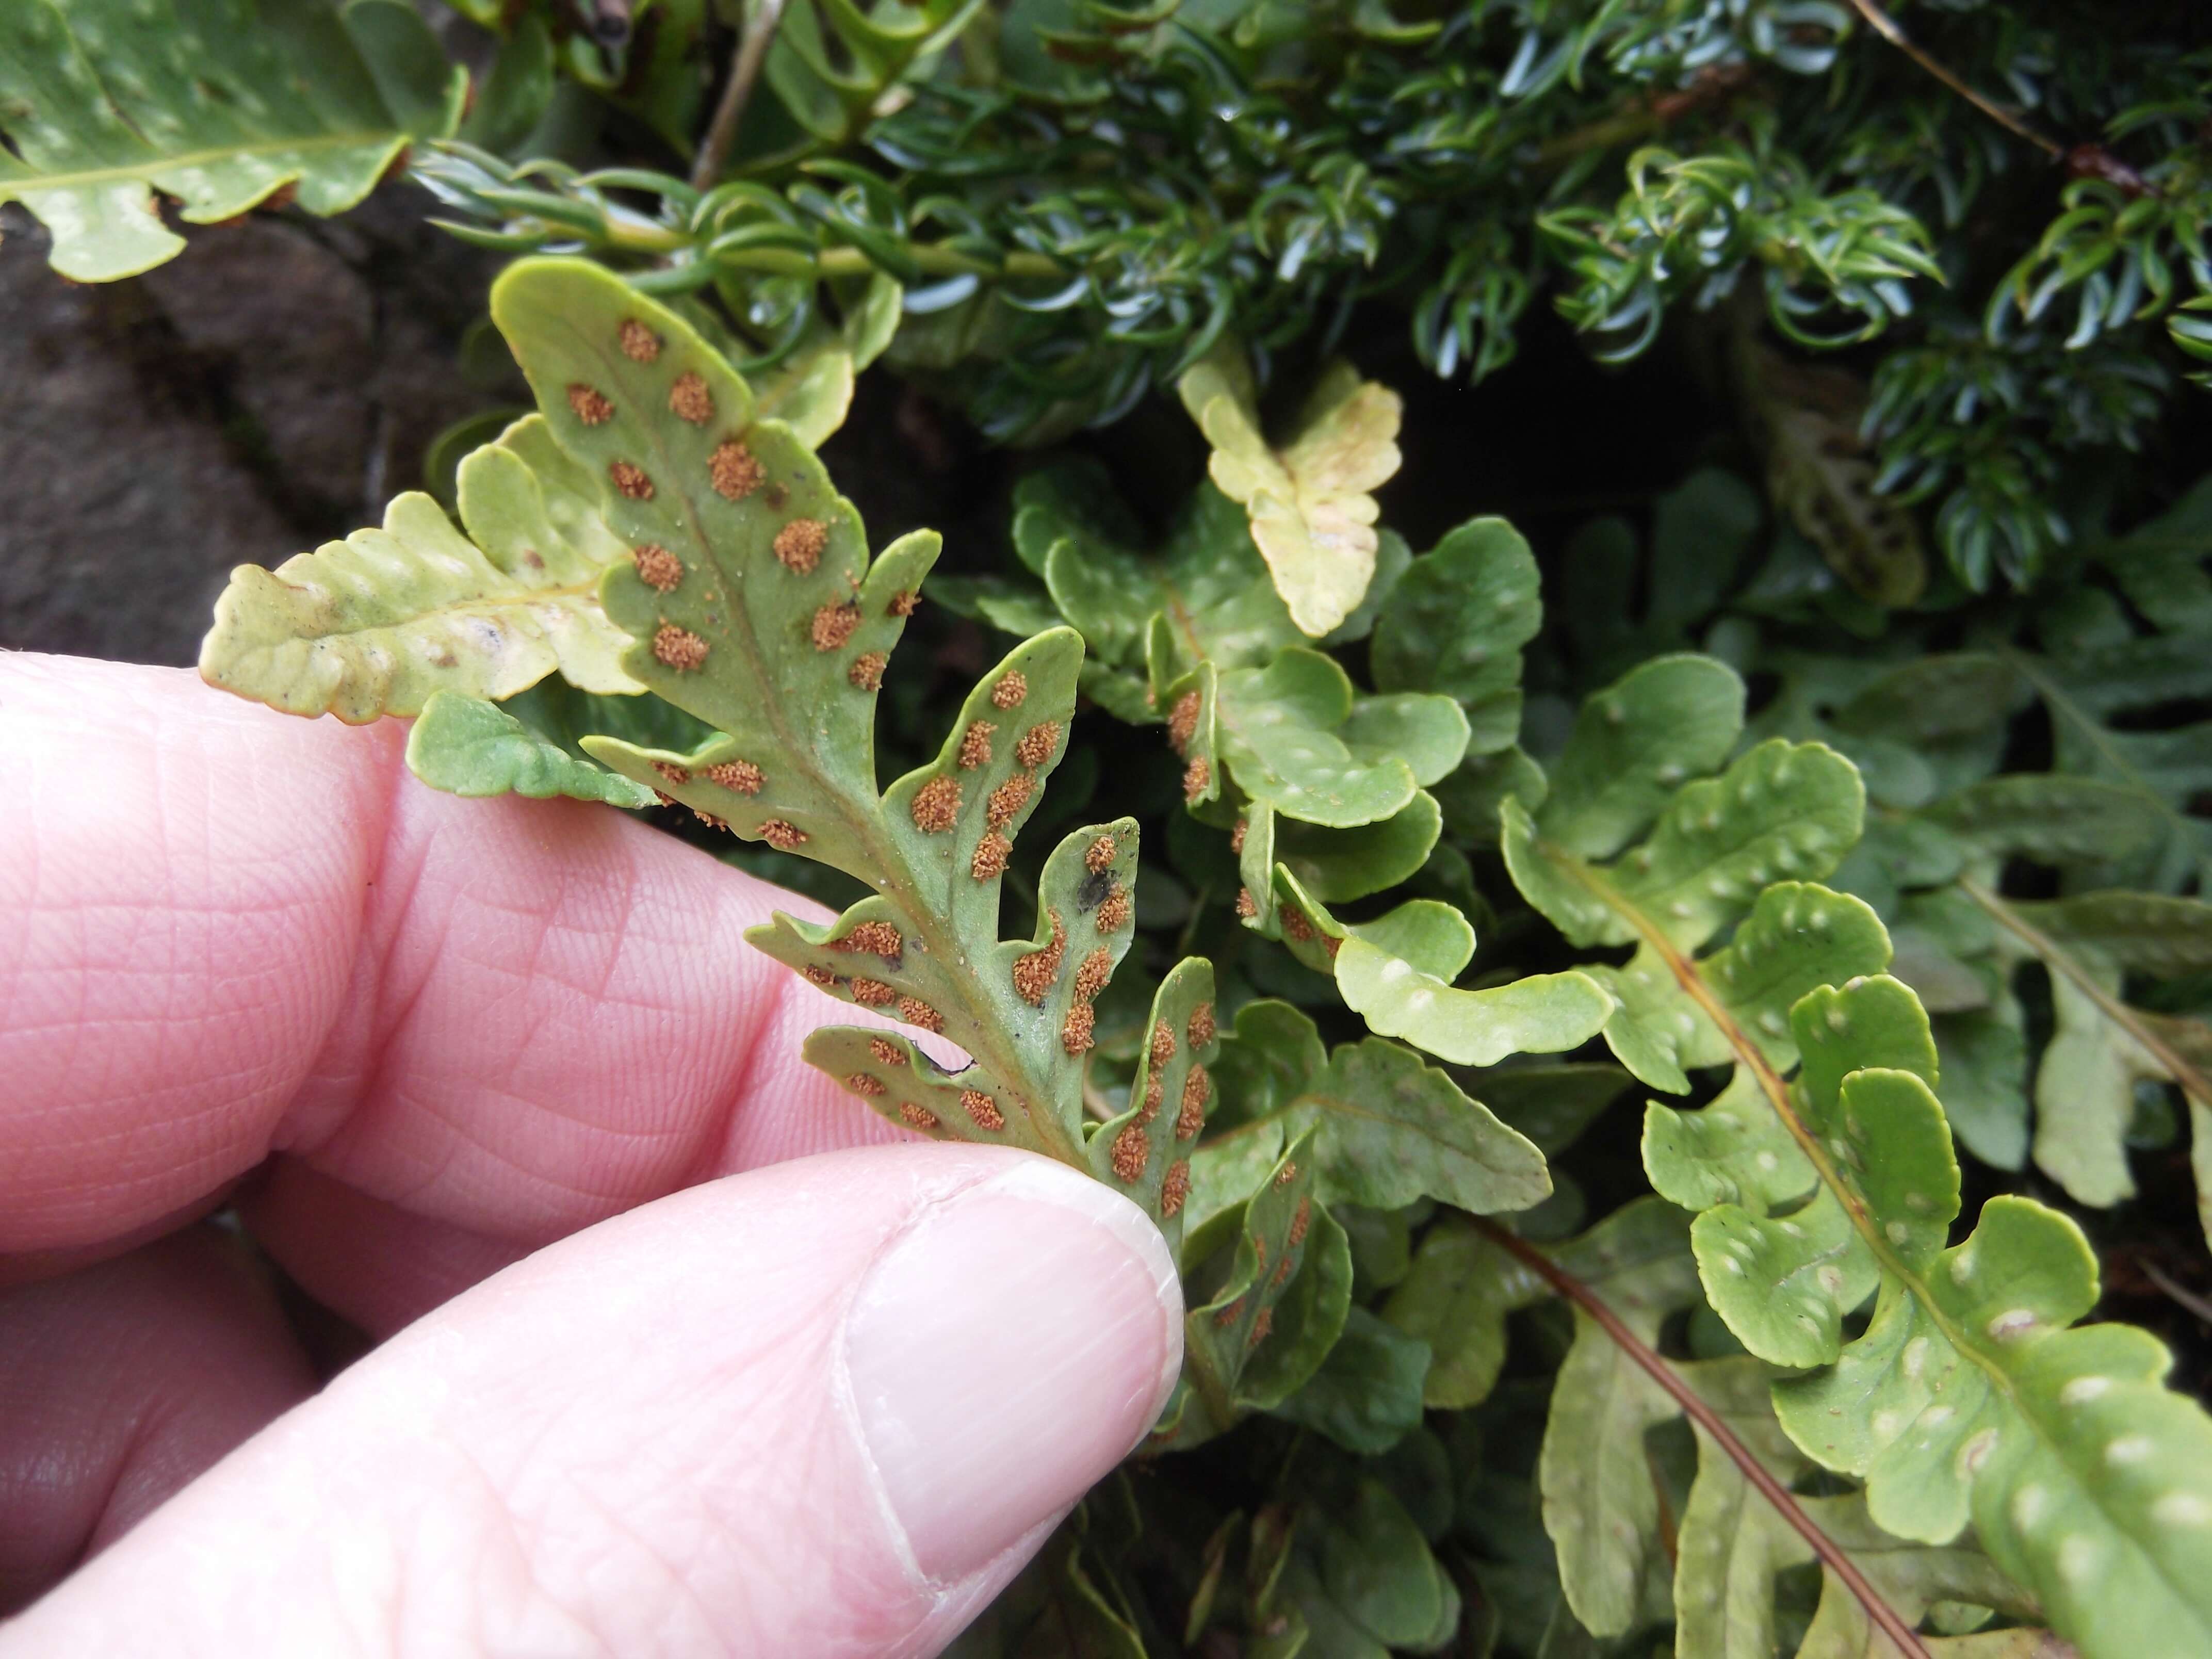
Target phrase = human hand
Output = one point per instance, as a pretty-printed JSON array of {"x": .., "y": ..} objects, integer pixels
[{"x": 697, "y": 1357}]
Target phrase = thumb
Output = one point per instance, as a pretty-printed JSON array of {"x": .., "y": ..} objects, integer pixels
[{"x": 828, "y": 1407}]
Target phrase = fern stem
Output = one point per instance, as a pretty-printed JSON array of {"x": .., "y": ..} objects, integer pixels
[
  {"x": 1771, "y": 1084},
  {"x": 1832, "y": 1555},
  {"x": 744, "y": 70},
  {"x": 2058, "y": 960}
]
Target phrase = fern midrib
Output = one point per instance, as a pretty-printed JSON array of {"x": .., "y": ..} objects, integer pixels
[
  {"x": 897, "y": 880},
  {"x": 498, "y": 605},
  {"x": 2057, "y": 958},
  {"x": 1693, "y": 982},
  {"x": 142, "y": 172}
]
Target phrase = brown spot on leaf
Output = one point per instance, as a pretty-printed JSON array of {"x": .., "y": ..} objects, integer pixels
[
  {"x": 1231, "y": 1313},
  {"x": 1200, "y": 1029},
  {"x": 1197, "y": 777},
  {"x": 1008, "y": 799},
  {"x": 990, "y": 859},
  {"x": 1295, "y": 924},
  {"x": 679, "y": 649},
  {"x": 861, "y": 1084},
  {"x": 877, "y": 937},
  {"x": 983, "y": 1109},
  {"x": 799, "y": 544},
  {"x": 873, "y": 992},
  {"x": 630, "y": 479},
  {"x": 739, "y": 777},
  {"x": 1037, "y": 743},
  {"x": 734, "y": 473},
  {"x": 867, "y": 673},
  {"x": 975, "y": 745},
  {"x": 1237, "y": 836},
  {"x": 784, "y": 837},
  {"x": 1175, "y": 1188},
  {"x": 1164, "y": 1043},
  {"x": 1035, "y": 972},
  {"x": 1153, "y": 1089},
  {"x": 1264, "y": 1322},
  {"x": 1091, "y": 975},
  {"x": 918, "y": 1117},
  {"x": 1011, "y": 688},
  {"x": 690, "y": 400},
  {"x": 1182, "y": 720},
  {"x": 1098, "y": 857},
  {"x": 1286, "y": 1175},
  {"x": 1113, "y": 911},
  {"x": 657, "y": 567},
  {"x": 1247, "y": 906},
  {"x": 1197, "y": 1090},
  {"x": 1131, "y": 1151},
  {"x": 936, "y": 806},
  {"x": 888, "y": 1053},
  {"x": 1077, "y": 1031},
  {"x": 639, "y": 343},
  {"x": 673, "y": 773},
  {"x": 904, "y": 603},
  {"x": 1300, "y": 1220},
  {"x": 915, "y": 1012},
  {"x": 590, "y": 407},
  {"x": 817, "y": 975},
  {"x": 834, "y": 625}
]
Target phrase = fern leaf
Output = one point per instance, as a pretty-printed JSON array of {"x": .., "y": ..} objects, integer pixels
[
  {"x": 1395, "y": 972},
  {"x": 1968, "y": 1397},
  {"x": 1387, "y": 1130},
  {"x": 749, "y": 600},
  {"x": 1454, "y": 623},
  {"x": 1271, "y": 1299},
  {"x": 1732, "y": 1545},
  {"x": 1311, "y": 513},
  {"x": 467, "y": 746},
  {"x": 218, "y": 103},
  {"x": 377, "y": 623}
]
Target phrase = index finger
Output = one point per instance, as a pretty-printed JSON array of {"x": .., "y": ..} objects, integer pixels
[{"x": 226, "y": 933}]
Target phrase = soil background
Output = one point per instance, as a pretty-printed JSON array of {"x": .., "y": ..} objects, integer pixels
[{"x": 276, "y": 384}]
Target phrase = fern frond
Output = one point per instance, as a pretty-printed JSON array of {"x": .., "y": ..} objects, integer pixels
[{"x": 220, "y": 103}]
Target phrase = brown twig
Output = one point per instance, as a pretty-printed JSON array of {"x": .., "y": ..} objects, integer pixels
[
  {"x": 1832, "y": 1555},
  {"x": 744, "y": 70},
  {"x": 1886, "y": 26}
]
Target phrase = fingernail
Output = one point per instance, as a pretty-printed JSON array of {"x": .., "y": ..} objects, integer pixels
[{"x": 1006, "y": 1352}]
